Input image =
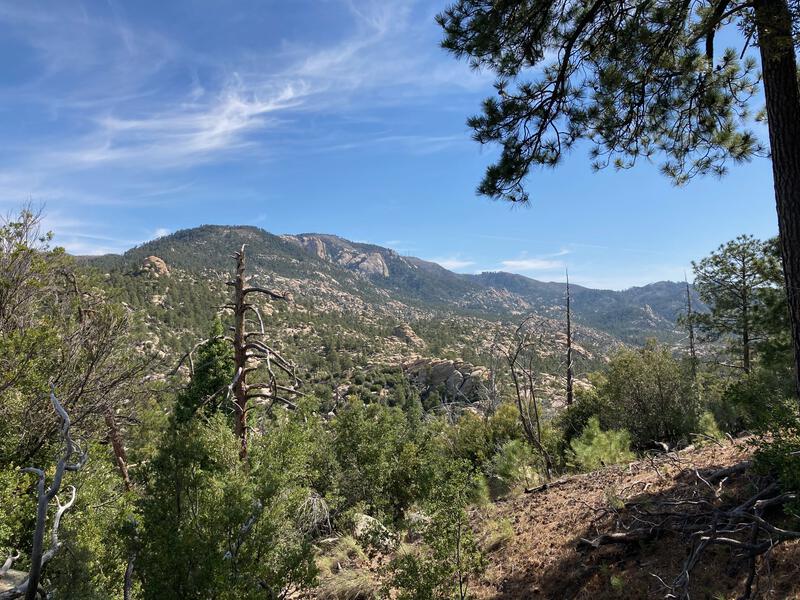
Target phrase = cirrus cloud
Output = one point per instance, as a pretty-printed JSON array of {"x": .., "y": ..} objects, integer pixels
[
  {"x": 533, "y": 264},
  {"x": 453, "y": 263}
]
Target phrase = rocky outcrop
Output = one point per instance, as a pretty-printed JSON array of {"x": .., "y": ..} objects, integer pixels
[
  {"x": 370, "y": 264},
  {"x": 457, "y": 379},
  {"x": 371, "y": 531},
  {"x": 154, "y": 267},
  {"x": 406, "y": 334},
  {"x": 315, "y": 246},
  {"x": 354, "y": 257}
]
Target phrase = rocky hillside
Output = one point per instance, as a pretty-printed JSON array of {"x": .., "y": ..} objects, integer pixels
[
  {"x": 361, "y": 305},
  {"x": 555, "y": 542},
  {"x": 407, "y": 286}
]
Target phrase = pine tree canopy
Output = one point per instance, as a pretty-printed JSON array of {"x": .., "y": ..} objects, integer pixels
[{"x": 633, "y": 78}]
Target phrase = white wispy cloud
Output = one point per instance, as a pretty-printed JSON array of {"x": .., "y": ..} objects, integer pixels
[
  {"x": 532, "y": 264},
  {"x": 453, "y": 263},
  {"x": 186, "y": 136},
  {"x": 129, "y": 121}
]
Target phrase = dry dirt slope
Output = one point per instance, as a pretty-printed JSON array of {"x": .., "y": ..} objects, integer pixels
[{"x": 546, "y": 559}]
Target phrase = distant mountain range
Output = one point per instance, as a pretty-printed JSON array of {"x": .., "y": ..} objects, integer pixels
[
  {"x": 327, "y": 268},
  {"x": 359, "y": 312}
]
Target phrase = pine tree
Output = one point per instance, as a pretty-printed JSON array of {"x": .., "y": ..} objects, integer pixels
[
  {"x": 637, "y": 80},
  {"x": 732, "y": 282},
  {"x": 212, "y": 372}
]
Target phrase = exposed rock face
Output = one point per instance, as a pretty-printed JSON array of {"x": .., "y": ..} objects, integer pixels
[
  {"x": 155, "y": 267},
  {"x": 406, "y": 334},
  {"x": 354, "y": 257},
  {"x": 315, "y": 246},
  {"x": 459, "y": 380},
  {"x": 369, "y": 529},
  {"x": 371, "y": 264}
]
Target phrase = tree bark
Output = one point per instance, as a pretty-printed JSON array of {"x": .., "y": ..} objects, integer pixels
[
  {"x": 690, "y": 326},
  {"x": 569, "y": 348},
  {"x": 779, "y": 67},
  {"x": 120, "y": 456},
  {"x": 37, "y": 550},
  {"x": 240, "y": 354},
  {"x": 745, "y": 322}
]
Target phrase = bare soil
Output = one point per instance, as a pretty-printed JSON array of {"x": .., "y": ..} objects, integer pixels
[{"x": 546, "y": 559}]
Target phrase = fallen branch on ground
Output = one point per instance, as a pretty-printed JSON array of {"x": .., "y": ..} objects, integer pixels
[{"x": 704, "y": 519}]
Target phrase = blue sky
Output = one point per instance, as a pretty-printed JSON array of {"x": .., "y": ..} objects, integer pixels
[{"x": 128, "y": 120}]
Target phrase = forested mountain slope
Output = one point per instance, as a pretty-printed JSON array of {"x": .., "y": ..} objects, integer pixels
[
  {"x": 363, "y": 308},
  {"x": 364, "y": 278}
]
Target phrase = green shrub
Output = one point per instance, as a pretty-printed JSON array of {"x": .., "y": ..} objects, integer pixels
[
  {"x": 708, "y": 428},
  {"x": 480, "y": 492},
  {"x": 451, "y": 557},
  {"x": 596, "y": 448},
  {"x": 497, "y": 534},
  {"x": 513, "y": 466},
  {"x": 588, "y": 403},
  {"x": 652, "y": 395},
  {"x": 761, "y": 399}
]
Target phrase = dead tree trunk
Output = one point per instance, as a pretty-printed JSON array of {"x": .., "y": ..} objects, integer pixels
[
  {"x": 521, "y": 363},
  {"x": 569, "y": 347},
  {"x": 30, "y": 587},
  {"x": 251, "y": 351},
  {"x": 120, "y": 456},
  {"x": 690, "y": 327},
  {"x": 240, "y": 355}
]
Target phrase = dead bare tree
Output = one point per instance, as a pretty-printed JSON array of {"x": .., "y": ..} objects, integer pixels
[
  {"x": 569, "y": 346},
  {"x": 522, "y": 359},
  {"x": 30, "y": 586},
  {"x": 495, "y": 357},
  {"x": 690, "y": 328},
  {"x": 252, "y": 351}
]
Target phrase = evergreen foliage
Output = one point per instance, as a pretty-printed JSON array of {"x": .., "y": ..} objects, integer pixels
[
  {"x": 652, "y": 396},
  {"x": 630, "y": 79},
  {"x": 451, "y": 557},
  {"x": 742, "y": 284},
  {"x": 215, "y": 526},
  {"x": 213, "y": 370},
  {"x": 596, "y": 448}
]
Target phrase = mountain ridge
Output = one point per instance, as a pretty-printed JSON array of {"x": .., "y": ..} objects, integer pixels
[{"x": 378, "y": 273}]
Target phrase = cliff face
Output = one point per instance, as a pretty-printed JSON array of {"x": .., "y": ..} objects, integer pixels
[
  {"x": 344, "y": 253},
  {"x": 457, "y": 380}
]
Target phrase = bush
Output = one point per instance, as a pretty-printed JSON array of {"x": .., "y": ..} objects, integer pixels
[
  {"x": 199, "y": 494},
  {"x": 451, "y": 557},
  {"x": 588, "y": 403},
  {"x": 513, "y": 466},
  {"x": 385, "y": 465},
  {"x": 761, "y": 399},
  {"x": 497, "y": 534},
  {"x": 708, "y": 428},
  {"x": 651, "y": 394},
  {"x": 596, "y": 448}
]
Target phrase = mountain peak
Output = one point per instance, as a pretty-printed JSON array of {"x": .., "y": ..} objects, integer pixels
[{"x": 370, "y": 275}]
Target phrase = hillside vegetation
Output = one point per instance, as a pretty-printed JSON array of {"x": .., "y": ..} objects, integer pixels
[{"x": 223, "y": 413}]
